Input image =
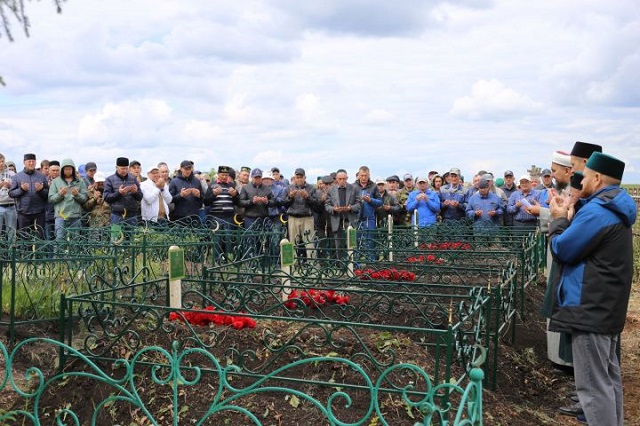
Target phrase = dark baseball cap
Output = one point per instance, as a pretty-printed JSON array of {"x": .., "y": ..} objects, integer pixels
[{"x": 299, "y": 171}]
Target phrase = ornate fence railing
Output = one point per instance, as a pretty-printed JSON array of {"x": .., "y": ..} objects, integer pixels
[{"x": 176, "y": 385}]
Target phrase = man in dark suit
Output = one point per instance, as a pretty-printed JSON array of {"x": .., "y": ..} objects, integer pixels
[{"x": 344, "y": 208}]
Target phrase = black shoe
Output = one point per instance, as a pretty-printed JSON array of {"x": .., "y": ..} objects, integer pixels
[
  {"x": 571, "y": 410},
  {"x": 581, "y": 418}
]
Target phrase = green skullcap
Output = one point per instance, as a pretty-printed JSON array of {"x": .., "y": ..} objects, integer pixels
[{"x": 606, "y": 164}]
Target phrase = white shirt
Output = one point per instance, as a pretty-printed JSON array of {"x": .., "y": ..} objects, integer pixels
[{"x": 150, "y": 204}]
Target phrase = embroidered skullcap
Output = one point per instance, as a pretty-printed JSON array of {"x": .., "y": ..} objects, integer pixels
[{"x": 561, "y": 158}]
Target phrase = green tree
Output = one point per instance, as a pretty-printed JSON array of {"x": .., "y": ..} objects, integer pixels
[{"x": 14, "y": 10}]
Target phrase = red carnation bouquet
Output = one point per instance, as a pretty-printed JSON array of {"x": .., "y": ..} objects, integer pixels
[
  {"x": 389, "y": 274},
  {"x": 315, "y": 298},
  {"x": 213, "y": 317},
  {"x": 428, "y": 258},
  {"x": 447, "y": 245}
]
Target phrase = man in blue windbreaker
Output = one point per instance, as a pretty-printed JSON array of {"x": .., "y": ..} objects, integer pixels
[{"x": 595, "y": 252}]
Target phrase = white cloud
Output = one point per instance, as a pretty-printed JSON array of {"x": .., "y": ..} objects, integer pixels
[
  {"x": 340, "y": 83},
  {"x": 492, "y": 100},
  {"x": 135, "y": 121},
  {"x": 379, "y": 117}
]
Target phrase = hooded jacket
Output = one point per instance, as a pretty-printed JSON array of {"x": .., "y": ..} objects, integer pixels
[
  {"x": 68, "y": 206},
  {"x": 595, "y": 255}
]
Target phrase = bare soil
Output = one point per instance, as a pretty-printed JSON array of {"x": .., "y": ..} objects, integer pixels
[{"x": 529, "y": 387}]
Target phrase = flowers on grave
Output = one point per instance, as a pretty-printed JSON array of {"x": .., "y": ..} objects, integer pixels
[
  {"x": 447, "y": 245},
  {"x": 211, "y": 316},
  {"x": 425, "y": 258},
  {"x": 388, "y": 274},
  {"x": 315, "y": 298}
]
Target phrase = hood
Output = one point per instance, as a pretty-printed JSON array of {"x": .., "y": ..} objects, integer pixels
[
  {"x": 618, "y": 201},
  {"x": 67, "y": 162}
]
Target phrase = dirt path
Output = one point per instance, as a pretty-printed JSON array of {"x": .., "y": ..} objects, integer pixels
[{"x": 631, "y": 360}]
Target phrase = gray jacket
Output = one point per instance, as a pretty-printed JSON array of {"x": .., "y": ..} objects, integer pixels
[
  {"x": 5, "y": 176},
  {"x": 333, "y": 199}
]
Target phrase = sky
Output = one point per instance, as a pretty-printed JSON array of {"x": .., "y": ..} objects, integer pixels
[{"x": 408, "y": 86}]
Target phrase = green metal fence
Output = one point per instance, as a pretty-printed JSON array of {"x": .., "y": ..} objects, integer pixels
[
  {"x": 114, "y": 299},
  {"x": 131, "y": 384}
]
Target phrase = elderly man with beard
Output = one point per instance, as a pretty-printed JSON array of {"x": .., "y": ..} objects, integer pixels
[
  {"x": 595, "y": 254},
  {"x": 30, "y": 190}
]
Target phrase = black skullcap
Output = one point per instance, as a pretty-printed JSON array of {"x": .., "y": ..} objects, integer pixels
[
  {"x": 584, "y": 149},
  {"x": 576, "y": 180},
  {"x": 122, "y": 162},
  {"x": 54, "y": 163},
  {"x": 606, "y": 164},
  {"x": 223, "y": 169},
  {"x": 29, "y": 157}
]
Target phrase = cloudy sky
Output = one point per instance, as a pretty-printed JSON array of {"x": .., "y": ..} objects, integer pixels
[{"x": 401, "y": 86}]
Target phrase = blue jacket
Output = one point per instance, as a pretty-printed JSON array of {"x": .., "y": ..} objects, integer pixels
[
  {"x": 453, "y": 193},
  {"x": 520, "y": 212},
  {"x": 595, "y": 252},
  {"x": 486, "y": 204},
  {"x": 29, "y": 201},
  {"x": 427, "y": 209}
]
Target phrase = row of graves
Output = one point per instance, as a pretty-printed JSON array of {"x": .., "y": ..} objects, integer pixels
[{"x": 207, "y": 325}]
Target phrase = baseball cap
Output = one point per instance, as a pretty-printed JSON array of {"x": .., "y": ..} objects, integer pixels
[
  {"x": 483, "y": 183},
  {"x": 525, "y": 177},
  {"x": 488, "y": 176},
  {"x": 152, "y": 168},
  {"x": 256, "y": 172},
  {"x": 275, "y": 170},
  {"x": 546, "y": 172},
  {"x": 131, "y": 164},
  {"x": 380, "y": 181},
  {"x": 268, "y": 175},
  {"x": 408, "y": 176},
  {"x": 90, "y": 166},
  {"x": 393, "y": 178},
  {"x": 508, "y": 173},
  {"x": 299, "y": 171},
  {"x": 186, "y": 164},
  {"x": 454, "y": 171},
  {"x": 421, "y": 179}
]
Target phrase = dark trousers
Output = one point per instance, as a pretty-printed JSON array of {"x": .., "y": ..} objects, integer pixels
[{"x": 33, "y": 223}]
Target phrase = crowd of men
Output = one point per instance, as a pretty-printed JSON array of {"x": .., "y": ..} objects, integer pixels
[
  {"x": 578, "y": 202},
  {"x": 57, "y": 195}
]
